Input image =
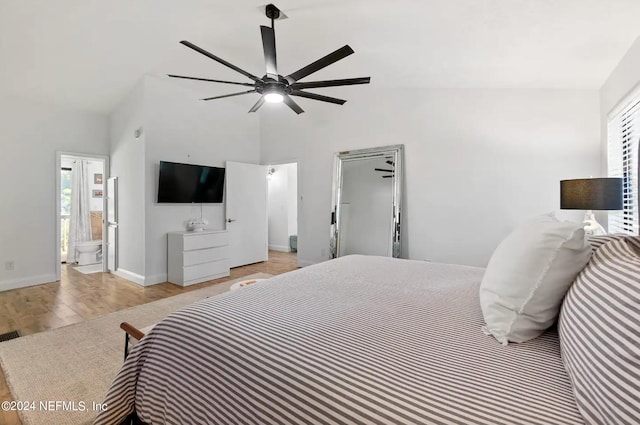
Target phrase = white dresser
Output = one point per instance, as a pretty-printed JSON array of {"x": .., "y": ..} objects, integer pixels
[{"x": 195, "y": 257}]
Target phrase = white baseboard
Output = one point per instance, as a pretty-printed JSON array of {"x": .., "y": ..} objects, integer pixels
[
  {"x": 281, "y": 248},
  {"x": 23, "y": 282},
  {"x": 133, "y": 277},
  {"x": 155, "y": 279}
]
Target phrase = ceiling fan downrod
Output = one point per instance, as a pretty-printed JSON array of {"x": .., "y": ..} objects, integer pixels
[{"x": 272, "y": 13}]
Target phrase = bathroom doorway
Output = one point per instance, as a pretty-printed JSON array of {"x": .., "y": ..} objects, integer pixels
[
  {"x": 80, "y": 205},
  {"x": 282, "y": 206}
]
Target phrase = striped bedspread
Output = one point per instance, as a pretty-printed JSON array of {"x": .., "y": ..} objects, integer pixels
[{"x": 357, "y": 340}]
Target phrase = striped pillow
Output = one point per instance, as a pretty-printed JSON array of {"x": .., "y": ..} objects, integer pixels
[
  {"x": 596, "y": 241},
  {"x": 600, "y": 334}
]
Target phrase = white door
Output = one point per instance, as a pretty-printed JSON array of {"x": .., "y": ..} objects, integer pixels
[
  {"x": 112, "y": 199},
  {"x": 112, "y": 237},
  {"x": 246, "y": 213},
  {"x": 112, "y": 225}
]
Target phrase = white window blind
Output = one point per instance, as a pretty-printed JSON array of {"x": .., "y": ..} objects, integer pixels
[{"x": 623, "y": 134}]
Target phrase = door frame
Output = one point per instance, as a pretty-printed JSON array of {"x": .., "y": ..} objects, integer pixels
[
  {"x": 298, "y": 163},
  {"x": 105, "y": 176}
]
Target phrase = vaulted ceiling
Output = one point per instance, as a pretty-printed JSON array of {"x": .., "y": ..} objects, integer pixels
[{"x": 89, "y": 53}]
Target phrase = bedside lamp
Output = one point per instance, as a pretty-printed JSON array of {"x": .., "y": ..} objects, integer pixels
[{"x": 591, "y": 194}]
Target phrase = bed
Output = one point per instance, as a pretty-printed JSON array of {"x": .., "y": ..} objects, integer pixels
[{"x": 356, "y": 340}]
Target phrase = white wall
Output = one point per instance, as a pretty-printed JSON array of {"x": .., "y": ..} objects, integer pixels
[
  {"x": 95, "y": 167},
  {"x": 31, "y": 135},
  {"x": 621, "y": 87},
  {"x": 477, "y": 161},
  {"x": 282, "y": 206},
  {"x": 370, "y": 211},
  {"x": 623, "y": 81},
  {"x": 624, "y": 78},
  {"x": 127, "y": 164},
  {"x": 176, "y": 126},
  {"x": 181, "y": 128}
]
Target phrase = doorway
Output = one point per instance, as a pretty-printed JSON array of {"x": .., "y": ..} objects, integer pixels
[
  {"x": 282, "y": 206},
  {"x": 80, "y": 204}
]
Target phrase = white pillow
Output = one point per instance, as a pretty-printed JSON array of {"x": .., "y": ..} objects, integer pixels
[{"x": 528, "y": 276}]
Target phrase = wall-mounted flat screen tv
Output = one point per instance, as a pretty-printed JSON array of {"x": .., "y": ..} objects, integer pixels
[{"x": 187, "y": 183}]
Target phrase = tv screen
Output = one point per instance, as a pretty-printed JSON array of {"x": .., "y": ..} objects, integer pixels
[{"x": 186, "y": 183}]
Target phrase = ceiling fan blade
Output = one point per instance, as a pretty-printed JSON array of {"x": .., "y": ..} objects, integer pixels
[
  {"x": 207, "y": 79},
  {"x": 229, "y": 95},
  {"x": 341, "y": 53},
  {"x": 382, "y": 169},
  {"x": 258, "y": 104},
  {"x": 293, "y": 105},
  {"x": 219, "y": 60},
  {"x": 316, "y": 96},
  {"x": 331, "y": 83},
  {"x": 269, "y": 47}
]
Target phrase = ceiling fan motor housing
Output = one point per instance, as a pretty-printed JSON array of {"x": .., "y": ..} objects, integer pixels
[
  {"x": 269, "y": 85},
  {"x": 272, "y": 11}
]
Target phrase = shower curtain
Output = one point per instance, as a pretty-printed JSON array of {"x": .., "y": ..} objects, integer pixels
[{"x": 80, "y": 215}]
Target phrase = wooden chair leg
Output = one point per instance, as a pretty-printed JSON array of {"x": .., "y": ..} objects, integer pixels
[{"x": 126, "y": 345}]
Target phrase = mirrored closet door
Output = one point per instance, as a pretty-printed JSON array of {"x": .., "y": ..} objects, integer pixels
[{"x": 367, "y": 191}]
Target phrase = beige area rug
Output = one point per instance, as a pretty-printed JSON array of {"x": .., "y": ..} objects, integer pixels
[{"x": 77, "y": 363}]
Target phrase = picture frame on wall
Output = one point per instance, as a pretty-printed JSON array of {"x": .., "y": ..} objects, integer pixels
[
  {"x": 97, "y": 179},
  {"x": 96, "y": 193}
]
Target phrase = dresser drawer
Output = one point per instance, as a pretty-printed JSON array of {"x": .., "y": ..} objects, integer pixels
[
  {"x": 206, "y": 269},
  {"x": 206, "y": 240},
  {"x": 206, "y": 255},
  {"x": 197, "y": 257}
]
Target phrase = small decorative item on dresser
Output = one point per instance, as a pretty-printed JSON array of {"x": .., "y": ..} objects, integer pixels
[
  {"x": 197, "y": 224},
  {"x": 591, "y": 194}
]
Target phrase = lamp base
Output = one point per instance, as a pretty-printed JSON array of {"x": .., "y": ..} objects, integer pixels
[{"x": 592, "y": 227}]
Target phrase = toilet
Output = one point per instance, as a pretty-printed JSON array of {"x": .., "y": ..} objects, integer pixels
[{"x": 89, "y": 252}]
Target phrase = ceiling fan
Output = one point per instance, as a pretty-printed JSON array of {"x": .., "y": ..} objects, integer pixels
[
  {"x": 385, "y": 170},
  {"x": 273, "y": 87}
]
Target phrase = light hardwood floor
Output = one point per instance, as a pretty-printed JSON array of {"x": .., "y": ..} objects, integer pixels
[{"x": 78, "y": 297}]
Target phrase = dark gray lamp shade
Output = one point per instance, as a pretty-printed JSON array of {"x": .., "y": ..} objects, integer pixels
[{"x": 591, "y": 194}]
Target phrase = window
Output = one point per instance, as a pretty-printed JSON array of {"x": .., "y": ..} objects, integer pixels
[{"x": 623, "y": 133}]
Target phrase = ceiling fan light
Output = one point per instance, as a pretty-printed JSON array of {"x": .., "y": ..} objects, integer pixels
[{"x": 273, "y": 98}]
